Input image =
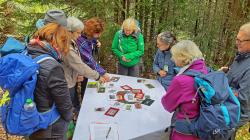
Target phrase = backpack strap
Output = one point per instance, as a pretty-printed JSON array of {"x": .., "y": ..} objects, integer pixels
[
  {"x": 52, "y": 115},
  {"x": 39, "y": 59},
  {"x": 192, "y": 73}
]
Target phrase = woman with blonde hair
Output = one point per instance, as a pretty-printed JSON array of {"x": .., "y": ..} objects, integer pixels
[
  {"x": 181, "y": 91},
  {"x": 54, "y": 40},
  {"x": 128, "y": 46}
]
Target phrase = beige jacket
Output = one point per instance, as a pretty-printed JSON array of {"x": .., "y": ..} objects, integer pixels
[{"x": 74, "y": 66}]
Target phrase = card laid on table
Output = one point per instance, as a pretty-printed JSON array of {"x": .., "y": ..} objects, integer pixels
[
  {"x": 112, "y": 111},
  {"x": 148, "y": 102},
  {"x": 114, "y": 79},
  {"x": 149, "y": 86},
  {"x": 126, "y": 87}
]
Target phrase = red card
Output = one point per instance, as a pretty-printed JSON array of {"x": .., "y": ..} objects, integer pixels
[
  {"x": 126, "y": 87},
  {"x": 135, "y": 91},
  {"x": 139, "y": 95},
  {"x": 120, "y": 96},
  {"x": 112, "y": 111}
]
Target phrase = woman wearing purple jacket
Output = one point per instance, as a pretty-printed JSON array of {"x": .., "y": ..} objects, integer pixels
[
  {"x": 87, "y": 42},
  {"x": 181, "y": 91}
]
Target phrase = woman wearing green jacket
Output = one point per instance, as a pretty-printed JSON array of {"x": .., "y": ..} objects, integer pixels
[{"x": 128, "y": 46}]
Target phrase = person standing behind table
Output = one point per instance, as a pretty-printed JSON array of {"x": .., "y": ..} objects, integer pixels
[
  {"x": 181, "y": 90},
  {"x": 93, "y": 29},
  {"x": 52, "y": 39},
  {"x": 238, "y": 75},
  {"x": 128, "y": 46},
  {"x": 73, "y": 65},
  {"x": 163, "y": 66}
]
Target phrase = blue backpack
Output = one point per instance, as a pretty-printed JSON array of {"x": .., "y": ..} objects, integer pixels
[
  {"x": 18, "y": 74},
  {"x": 219, "y": 108}
]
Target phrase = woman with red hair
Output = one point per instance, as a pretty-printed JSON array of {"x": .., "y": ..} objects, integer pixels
[{"x": 93, "y": 29}]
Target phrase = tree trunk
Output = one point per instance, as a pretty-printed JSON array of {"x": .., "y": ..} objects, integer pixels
[
  {"x": 123, "y": 17},
  {"x": 153, "y": 17}
]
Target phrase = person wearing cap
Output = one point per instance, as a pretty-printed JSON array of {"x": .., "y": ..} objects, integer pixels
[
  {"x": 128, "y": 46},
  {"x": 73, "y": 65},
  {"x": 93, "y": 29},
  {"x": 56, "y": 16},
  {"x": 163, "y": 66}
]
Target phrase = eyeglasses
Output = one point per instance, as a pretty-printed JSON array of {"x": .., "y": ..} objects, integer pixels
[{"x": 241, "y": 41}]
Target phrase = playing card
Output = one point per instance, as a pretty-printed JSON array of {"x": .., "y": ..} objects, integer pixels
[
  {"x": 135, "y": 91},
  {"x": 117, "y": 104},
  {"x": 92, "y": 85},
  {"x": 138, "y": 105},
  {"x": 139, "y": 95},
  {"x": 120, "y": 96},
  {"x": 128, "y": 107},
  {"x": 130, "y": 97},
  {"x": 126, "y": 87},
  {"x": 141, "y": 80},
  {"x": 112, "y": 97},
  {"x": 149, "y": 86},
  {"x": 114, "y": 79},
  {"x": 112, "y": 111},
  {"x": 99, "y": 109},
  {"x": 101, "y": 90},
  {"x": 148, "y": 102}
]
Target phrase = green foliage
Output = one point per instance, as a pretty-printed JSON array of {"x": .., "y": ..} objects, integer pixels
[{"x": 212, "y": 24}]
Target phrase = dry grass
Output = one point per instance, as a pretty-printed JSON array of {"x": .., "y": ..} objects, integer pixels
[{"x": 3, "y": 135}]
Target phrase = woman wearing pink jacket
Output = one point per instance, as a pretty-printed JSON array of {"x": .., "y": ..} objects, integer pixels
[{"x": 181, "y": 91}]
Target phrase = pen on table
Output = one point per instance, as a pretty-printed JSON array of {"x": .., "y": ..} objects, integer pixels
[{"x": 108, "y": 132}]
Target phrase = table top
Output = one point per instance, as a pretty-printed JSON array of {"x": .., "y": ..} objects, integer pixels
[{"x": 131, "y": 123}]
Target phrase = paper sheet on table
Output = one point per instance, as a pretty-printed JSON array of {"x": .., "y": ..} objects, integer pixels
[{"x": 100, "y": 131}]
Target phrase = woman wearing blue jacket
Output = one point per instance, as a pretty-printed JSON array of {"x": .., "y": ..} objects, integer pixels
[{"x": 163, "y": 66}]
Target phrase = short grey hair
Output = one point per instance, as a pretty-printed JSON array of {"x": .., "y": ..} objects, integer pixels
[
  {"x": 186, "y": 51},
  {"x": 167, "y": 38},
  {"x": 246, "y": 28},
  {"x": 74, "y": 24}
]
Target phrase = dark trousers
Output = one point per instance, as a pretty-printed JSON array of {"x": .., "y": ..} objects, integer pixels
[
  {"x": 75, "y": 99},
  {"x": 129, "y": 71},
  {"x": 83, "y": 86}
]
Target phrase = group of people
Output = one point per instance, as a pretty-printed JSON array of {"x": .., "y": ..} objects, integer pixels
[
  {"x": 174, "y": 58},
  {"x": 71, "y": 43}
]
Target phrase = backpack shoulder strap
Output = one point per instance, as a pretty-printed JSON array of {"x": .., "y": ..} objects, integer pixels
[
  {"x": 39, "y": 59},
  {"x": 52, "y": 115},
  {"x": 192, "y": 73}
]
